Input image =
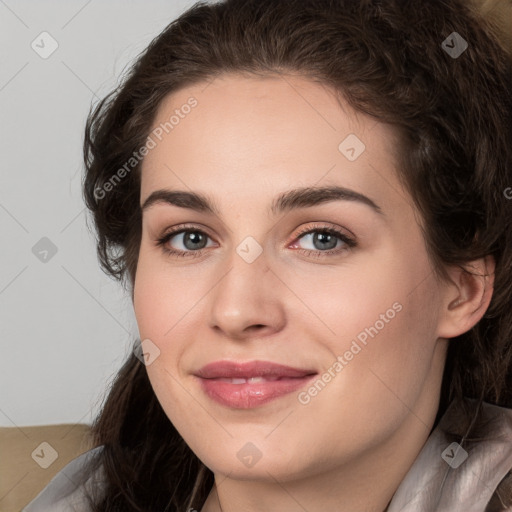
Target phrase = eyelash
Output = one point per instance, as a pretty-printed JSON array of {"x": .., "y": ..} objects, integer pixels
[{"x": 349, "y": 242}]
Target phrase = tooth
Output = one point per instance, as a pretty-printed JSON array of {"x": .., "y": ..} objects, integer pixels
[
  {"x": 251, "y": 380},
  {"x": 254, "y": 380}
]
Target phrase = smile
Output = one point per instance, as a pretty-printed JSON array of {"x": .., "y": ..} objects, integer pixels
[{"x": 251, "y": 384}]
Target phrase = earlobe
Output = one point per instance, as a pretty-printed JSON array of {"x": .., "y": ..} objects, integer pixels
[{"x": 466, "y": 297}]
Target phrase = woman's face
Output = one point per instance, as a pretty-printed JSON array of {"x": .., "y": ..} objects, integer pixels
[{"x": 336, "y": 286}]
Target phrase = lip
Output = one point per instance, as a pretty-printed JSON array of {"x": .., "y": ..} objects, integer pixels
[{"x": 272, "y": 381}]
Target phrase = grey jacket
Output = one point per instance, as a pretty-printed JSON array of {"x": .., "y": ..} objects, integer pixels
[{"x": 459, "y": 469}]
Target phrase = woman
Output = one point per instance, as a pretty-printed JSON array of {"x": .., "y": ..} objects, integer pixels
[{"x": 309, "y": 202}]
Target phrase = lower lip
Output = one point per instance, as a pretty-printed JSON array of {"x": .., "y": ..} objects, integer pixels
[{"x": 250, "y": 395}]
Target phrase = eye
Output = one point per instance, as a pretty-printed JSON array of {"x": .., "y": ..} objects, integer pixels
[
  {"x": 191, "y": 241},
  {"x": 324, "y": 241}
]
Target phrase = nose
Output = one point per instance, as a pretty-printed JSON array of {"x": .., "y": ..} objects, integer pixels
[{"x": 247, "y": 300}]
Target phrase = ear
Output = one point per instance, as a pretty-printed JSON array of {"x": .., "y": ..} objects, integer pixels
[{"x": 466, "y": 296}]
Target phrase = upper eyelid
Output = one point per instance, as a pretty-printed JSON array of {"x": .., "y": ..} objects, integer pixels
[{"x": 317, "y": 226}]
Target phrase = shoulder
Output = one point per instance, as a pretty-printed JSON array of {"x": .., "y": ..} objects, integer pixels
[
  {"x": 465, "y": 464},
  {"x": 69, "y": 488}
]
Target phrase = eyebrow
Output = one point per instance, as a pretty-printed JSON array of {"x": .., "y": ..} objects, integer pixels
[{"x": 305, "y": 197}]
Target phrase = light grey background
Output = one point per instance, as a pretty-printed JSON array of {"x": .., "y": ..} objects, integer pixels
[{"x": 65, "y": 327}]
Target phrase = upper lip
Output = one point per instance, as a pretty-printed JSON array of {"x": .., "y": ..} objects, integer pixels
[{"x": 248, "y": 370}]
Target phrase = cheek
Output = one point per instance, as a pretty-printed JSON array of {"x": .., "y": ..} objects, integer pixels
[
  {"x": 166, "y": 305},
  {"x": 384, "y": 323},
  {"x": 389, "y": 294},
  {"x": 161, "y": 302},
  {"x": 381, "y": 316},
  {"x": 163, "y": 299}
]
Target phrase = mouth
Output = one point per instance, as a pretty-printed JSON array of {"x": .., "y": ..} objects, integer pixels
[{"x": 251, "y": 384}]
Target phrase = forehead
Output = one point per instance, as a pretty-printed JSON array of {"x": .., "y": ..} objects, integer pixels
[{"x": 251, "y": 133}]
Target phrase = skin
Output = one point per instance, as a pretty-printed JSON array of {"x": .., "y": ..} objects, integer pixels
[{"x": 248, "y": 140}]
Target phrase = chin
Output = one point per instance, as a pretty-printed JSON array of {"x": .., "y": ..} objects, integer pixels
[{"x": 256, "y": 460}]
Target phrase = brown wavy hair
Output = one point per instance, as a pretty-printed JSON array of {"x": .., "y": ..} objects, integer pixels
[{"x": 385, "y": 57}]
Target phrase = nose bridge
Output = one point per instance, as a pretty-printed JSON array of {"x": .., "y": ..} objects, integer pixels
[{"x": 246, "y": 294}]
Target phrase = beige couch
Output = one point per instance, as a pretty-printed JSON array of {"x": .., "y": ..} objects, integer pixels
[{"x": 31, "y": 456}]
